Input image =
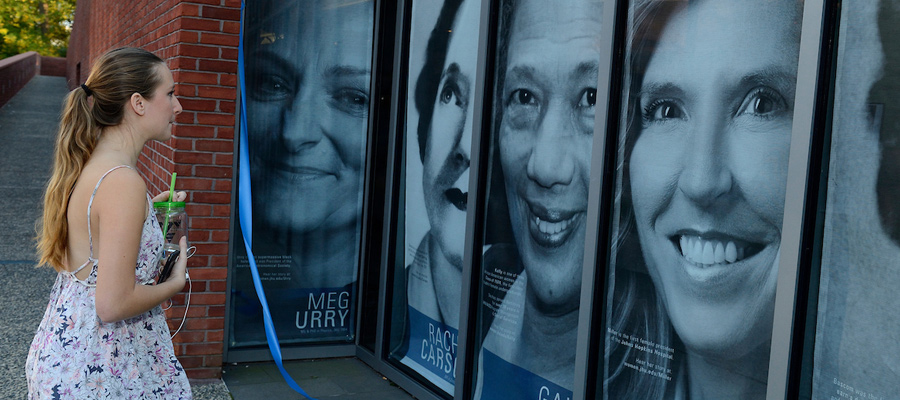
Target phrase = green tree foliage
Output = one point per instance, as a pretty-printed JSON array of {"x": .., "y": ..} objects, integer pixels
[{"x": 35, "y": 25}]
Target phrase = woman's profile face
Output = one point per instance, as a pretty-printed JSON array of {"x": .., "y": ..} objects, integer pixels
[
  {"x": 546, "y": 133},
  {"x": 708, "y": 170},
  {"x": 307, "y": 89},
  {"x": 446, "y": 164}
]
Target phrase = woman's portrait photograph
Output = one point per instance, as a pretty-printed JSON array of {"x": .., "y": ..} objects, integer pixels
[
  {"x": 440, "y": 104},
  {"x": 308, "y": 73},
  {"x": 547, "y": 74},
  {"x": 702, "y": 170}
]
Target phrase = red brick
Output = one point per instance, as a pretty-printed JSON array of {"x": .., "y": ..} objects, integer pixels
[
  {"x": 232, "y": 3},
  {"x": 232, "y": 14},
  {"x": 213, "y": 172},
  {"x": 215, "y": 119},
  {"x": 219, "y": 236},
  {"x": 225, "y": 133},
  {"x": 204, "y": 323},
  {"x": 201, "y": 24},
  {"x": 189, "y": 336},
  {"x": 216, "y": 311},
  {"x": 186, "y": 118},
  {"x": 190, "y": 184},
  {"x": 217, "y": 92},
  {"x": 218, "y": 66},
  {"x": 215, "y": 336},
  {"x": 204, "y": 373},
  {"x": 227, "y": 106},
  {"x": 214, "y": 248},
  {"x": 212, "y": 360},
  {"x": 229, "y": 53},
  {"x": 198, "y": 104},
  {"x": 209, "y": 273},
  {"x": 210, "y": 223},
  {"x": 198, "y": 261},
  {"x": 199, "y": 132},
  {"x": 208, "y": 298},
  {"x": 220, "y": 39},
  {"x": 231, "y": 27},
  {"x": 204, "y": 78},
  {"x": 199, "y": 210},
  {"x": 228, "y": 80},
  {"x": 215, "y": 145},
  {"x": 216, "y": 286},
  {"x": 222, "y": 185},
  {"x": 182, "y": 90},
  {"x": 204, "y": 348},
  {"x": 219, "y": 261},
  {"x": 221, "y": 211},
  {"x": 188, "y": 9},
  {"x": 193, "y": 157},
  {"x": 191, "y": 361}
]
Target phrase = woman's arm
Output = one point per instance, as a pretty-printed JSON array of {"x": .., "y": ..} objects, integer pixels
[{"x": 119, "y": 210}]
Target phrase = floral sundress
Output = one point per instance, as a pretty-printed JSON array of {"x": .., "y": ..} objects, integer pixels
[{"x": 75, "y": 355}]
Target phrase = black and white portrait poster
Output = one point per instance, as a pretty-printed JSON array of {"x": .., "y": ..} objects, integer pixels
[
  {"x": 548, "y": 55},
  {"x": 308, "y": 66},
  {"x": 702, "y": 167},
  {"x": 440, "y": 104},
  {"x": 857, "y": 346}
]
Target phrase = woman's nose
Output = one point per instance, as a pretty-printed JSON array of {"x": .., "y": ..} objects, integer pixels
[
  {"x": 463, "y": 150},
  {"x": 178, "y": 108},
  {"x": 705, "y": 175},
  {"x": 301, "y": 125},
  {"x": 551, "y": 162}
]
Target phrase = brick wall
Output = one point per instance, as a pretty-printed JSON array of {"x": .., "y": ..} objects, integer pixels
[
  {"x": 15, "y": 72},
  {"x": 198, "y": 39},
  {"x": 53, "y": 66}
]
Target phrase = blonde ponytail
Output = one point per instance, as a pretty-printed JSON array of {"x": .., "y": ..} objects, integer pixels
[{"x": 100, "y": 102}]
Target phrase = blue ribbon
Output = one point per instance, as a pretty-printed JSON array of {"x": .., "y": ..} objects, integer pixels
[{"x": 246, "y": 221}]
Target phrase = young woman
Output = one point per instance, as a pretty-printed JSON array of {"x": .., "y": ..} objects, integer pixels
[
  {"x": 706, "y": 156},
  {"x": 104, "y": 335}
]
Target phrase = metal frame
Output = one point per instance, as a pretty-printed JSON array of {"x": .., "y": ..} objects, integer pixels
[
  {"x": 596, "y": 232},
  {"x": 795, "y": 197}
]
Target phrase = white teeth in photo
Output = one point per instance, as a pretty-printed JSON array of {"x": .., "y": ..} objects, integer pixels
[
  {"x": 709, "y": 252},
  {"x": 551, "y": 228}
]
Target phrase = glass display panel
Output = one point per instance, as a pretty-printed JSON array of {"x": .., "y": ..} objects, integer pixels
[
  {"x": 857, "y": 342},
  {"x": 548, "y": 55},
  {"x": 308, "y": 66},
  {"x": 702, "y": 154},
  {"x": 439, "y": 109}
]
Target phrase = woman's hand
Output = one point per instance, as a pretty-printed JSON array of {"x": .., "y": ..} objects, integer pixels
[
  {"x": 164, "y": 196},
  {"x": 180, "y": 270}
]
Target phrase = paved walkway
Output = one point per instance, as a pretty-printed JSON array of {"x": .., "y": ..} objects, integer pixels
[{"x": 28, "y": 126}]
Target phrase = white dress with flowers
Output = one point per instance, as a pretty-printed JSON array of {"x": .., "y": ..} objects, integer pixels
[{"x": 75, "y": 355}]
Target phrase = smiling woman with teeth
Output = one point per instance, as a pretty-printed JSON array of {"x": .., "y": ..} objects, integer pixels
[
  {"x": 549, "y": 63},
  {"x": 706, "y": 153}
]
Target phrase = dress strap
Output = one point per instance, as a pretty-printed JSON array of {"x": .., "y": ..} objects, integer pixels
[{"x": 91, "y": 259}]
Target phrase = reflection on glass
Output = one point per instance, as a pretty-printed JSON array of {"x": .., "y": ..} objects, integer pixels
[
  {"x": 308, "y": 67},
  {"x": 702, "y": 196},
  {"x": 549, "y": 56},
  {"x": 857, "y": 346},
  {"x": 443, "y": 99}
]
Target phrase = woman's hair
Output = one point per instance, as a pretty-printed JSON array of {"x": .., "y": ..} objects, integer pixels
[
  {"x": 637, "y": 310},
  {"x": 99, "y": 103},
  {"x": 430, "y": 77}
]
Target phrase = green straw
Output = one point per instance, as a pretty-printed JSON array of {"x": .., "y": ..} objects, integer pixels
[{"x": 171, "y": 197}]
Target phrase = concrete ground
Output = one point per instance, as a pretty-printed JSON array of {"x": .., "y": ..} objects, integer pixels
[{"x": 28, "y": 126}]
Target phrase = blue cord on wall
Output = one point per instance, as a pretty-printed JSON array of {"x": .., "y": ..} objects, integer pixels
[{"x": 246, "y": 221}]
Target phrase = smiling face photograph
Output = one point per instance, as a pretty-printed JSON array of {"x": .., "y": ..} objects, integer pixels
[
  {"x": 308, "y": 71},
  {"x": 701, "y": 198},
  {"x": 543, "y": 133}
]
